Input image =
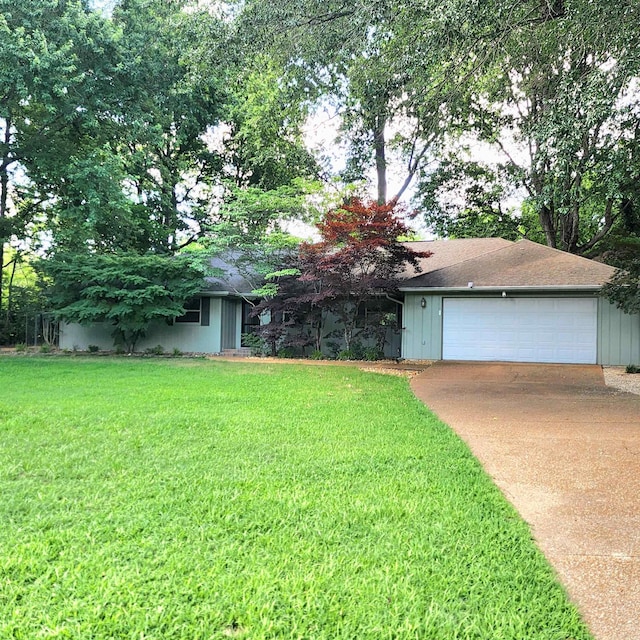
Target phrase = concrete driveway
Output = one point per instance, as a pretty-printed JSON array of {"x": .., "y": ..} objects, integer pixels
[{"x": 565, "y": 450}]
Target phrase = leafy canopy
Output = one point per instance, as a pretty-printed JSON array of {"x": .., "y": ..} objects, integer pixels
[
  {"x": 358, "y": 257},
  {"x": 127, "y": 291},
  {"x": 624, "y": 288}
]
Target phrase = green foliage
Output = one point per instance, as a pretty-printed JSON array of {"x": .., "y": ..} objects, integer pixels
[
  {"x": 264, "y": 148},
  {"x": 464, "y": 199},
  {"x": 50, "y": 80},
  {"x": 632, "y": 368},
  {"x": 344, "y": 55},
  {"x": 359, "y": 352},
  {"x": 93, "y": 348},
  {"x": 199, "y": 499},
  {"x": 158, "y": 350},
  {"x": 22, "y": 299},
  {"x": 557, "y": 101},
  {"x": 127, "y": 291},
  {"x": 256, "y": 343},
  {"x": 624, "y": 288}
]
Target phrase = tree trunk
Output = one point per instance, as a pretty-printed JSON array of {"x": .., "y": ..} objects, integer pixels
[
  {"x": 4, "y": 186},
  {"x": 545, "y": 216},
  {"x": 10, "y": 293},
  {"x": 381, "y": 161}
]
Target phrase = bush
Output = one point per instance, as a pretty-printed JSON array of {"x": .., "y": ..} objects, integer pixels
[
  {"x": 177, "y": 352},
  {"x": 316, "y": 355},
  {"x": 256, "y": 343},
  {"x": 373, "y": 353},
  {"x": 46, "y": 348},
  {"x": 286, "y": 352},
  {"x": 93, "y": 348},
  {"x": 356, "y": 352},
  {"x": 633, "y": 368},
  {"x": 158, "y": 350},
  {"x": 21, "y": 347}
]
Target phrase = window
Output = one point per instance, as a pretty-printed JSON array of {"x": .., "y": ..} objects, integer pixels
[
  {"x": 192, "y": 310},
  {"x": 378, "y": 312},
  {"x": 250, "y": 323}
]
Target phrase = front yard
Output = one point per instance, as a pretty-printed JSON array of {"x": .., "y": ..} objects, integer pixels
[{"x": 199, "y": 500}]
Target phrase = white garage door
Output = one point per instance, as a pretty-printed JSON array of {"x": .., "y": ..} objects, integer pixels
[{"x": 520, "y": 329}]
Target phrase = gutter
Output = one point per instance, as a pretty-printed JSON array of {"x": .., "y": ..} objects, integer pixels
[
  {"x": 388, "y": 297},
  {"x": 498, "y": 289}
]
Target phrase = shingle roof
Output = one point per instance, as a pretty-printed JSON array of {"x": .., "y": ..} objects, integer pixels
[
  {"x": 446, "y": 253},
  {"x": 233, "y": 274},
  {"x": 493, "y": 262}
]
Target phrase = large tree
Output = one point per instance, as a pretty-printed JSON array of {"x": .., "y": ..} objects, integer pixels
[
  {"x": 549, "y": 85},
  {"x": 127, "y": 291},
  {"x": 49, "y": 85},
  {"x": 346, "y": 54},
  {"x": 359, "y": 257},
  {"x": 557, "y": 102}
]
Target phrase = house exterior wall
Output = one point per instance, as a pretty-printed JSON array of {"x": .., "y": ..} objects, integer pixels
[
  {"x": 422, "y": 327},
  {"x": 334, "y": 341},
  {"x": 618, "y": 332},
  {"x": 618, "y": 335},
  {"x": 186, "y": 337}
]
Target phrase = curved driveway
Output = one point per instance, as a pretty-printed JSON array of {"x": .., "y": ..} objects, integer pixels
[{"x": 565, "y": 450}]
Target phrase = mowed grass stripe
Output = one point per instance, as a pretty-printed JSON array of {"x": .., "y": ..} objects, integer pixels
[{"x": 198, "y": 499}]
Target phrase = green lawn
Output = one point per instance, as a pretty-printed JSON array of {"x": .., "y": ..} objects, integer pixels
[{"x": 199, "y": 500}]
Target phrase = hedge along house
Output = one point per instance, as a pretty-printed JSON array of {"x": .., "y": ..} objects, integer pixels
[
  {"x": 214, "y": 321},
  {"x": 495, "y": 300}
]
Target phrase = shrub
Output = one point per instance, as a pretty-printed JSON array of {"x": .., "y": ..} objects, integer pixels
[
  {"x": 177, "y": 352},
  {"x": 46, "y": 348},
  {"x": 93, "y": 348},
  {"x": 633, "y": 368},
  {"x": 21, "y": 347},
  {"x": 373, "y": 353},
  {"x": 316, "y": 355},
  {"x": 158, "y": 350},
  {"x": 286, "y": 352},
  {"x": 356, "y": 352},
  {"x": 256, "y": 343}
]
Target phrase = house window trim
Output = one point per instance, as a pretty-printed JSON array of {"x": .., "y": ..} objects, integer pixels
[{"x": 188, "y": 311}]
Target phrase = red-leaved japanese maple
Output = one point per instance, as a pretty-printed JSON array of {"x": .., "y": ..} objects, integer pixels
[{"x": 358, "y": 257}]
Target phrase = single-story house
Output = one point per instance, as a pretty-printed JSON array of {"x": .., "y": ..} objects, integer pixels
[{"x": 474, "y": 299}]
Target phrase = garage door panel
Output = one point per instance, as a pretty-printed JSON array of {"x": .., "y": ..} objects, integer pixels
[{"x": 520, "y": 329}]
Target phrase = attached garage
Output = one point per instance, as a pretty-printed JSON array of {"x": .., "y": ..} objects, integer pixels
[
  {"x": 489, "y": 299},
  {"x": 512, "y": 329}
]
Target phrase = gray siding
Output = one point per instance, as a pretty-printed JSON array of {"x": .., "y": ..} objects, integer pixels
[
  {"x": 422, "y": 328},
  {"x": 183, "y": 336},
  {"x": 618, "y": 335}
]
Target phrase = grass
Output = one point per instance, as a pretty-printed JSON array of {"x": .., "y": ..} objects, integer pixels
[{"x": 199, "y": 500}]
